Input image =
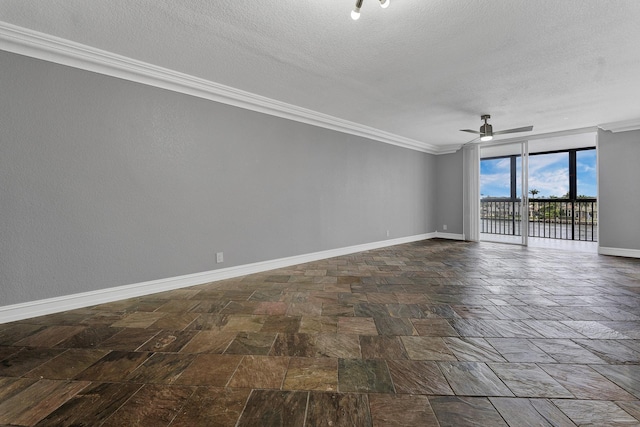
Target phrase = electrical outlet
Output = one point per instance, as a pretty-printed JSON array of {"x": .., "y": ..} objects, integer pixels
[
  {"x": 219, "y": 257},
  {"x": 444, "y": 227},
  {"x": 387, "y": 233}
]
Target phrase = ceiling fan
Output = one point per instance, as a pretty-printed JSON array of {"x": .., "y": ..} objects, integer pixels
[{"x": 486, "y": 130}]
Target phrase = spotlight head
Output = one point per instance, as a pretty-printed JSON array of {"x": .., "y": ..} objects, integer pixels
[{"x": 355, "y": 13}]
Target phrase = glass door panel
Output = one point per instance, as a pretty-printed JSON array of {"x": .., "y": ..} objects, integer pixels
[{"x": 503, "y": 190}]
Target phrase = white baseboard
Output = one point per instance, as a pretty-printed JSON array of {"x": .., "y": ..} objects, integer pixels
[
  {"x": 43, "y": 307},
  {"x": 450, "y": 236},
  {"x": 629, "y": 253}
]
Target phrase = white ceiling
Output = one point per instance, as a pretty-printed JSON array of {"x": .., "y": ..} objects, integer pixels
[{"x": 421, "y": 69}]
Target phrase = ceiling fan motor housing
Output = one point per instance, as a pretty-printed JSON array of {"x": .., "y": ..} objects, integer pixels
[{"x": 486, "y": 129}]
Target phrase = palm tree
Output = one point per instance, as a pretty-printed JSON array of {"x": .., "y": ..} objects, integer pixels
[{"x": 533, "y": 207}]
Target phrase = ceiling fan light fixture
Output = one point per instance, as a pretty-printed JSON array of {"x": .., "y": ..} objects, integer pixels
[
  {"x": 486, "y": 130},
  {"x": 384, "y": 3}
]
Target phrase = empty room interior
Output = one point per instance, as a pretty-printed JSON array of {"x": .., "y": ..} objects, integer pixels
[{"x": 320, "y": 213}]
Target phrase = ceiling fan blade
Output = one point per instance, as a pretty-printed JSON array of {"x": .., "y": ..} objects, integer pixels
[
  {"x": 515, "y": 130},
  {"x": 471, "y": 131}
]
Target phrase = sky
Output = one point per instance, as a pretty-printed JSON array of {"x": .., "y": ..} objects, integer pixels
[{"x": 548, "y": 173}]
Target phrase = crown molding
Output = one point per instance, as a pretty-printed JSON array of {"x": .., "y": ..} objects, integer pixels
[
  {"x": 447, "y": 149},
  {"x": 623, "y": 126},
  {"x": 50, "y": 48}
]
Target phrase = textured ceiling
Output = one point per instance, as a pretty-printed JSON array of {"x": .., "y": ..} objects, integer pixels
[{"x": 421, "y": 69}]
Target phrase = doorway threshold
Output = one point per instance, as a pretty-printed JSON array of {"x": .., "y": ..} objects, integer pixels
[{"x": 538, "y": 242}]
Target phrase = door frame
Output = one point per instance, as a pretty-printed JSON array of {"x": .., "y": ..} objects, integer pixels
[{"x": 524, "y": 188}]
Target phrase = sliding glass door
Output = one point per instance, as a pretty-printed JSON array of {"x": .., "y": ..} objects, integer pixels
[{"x": 504, "y": 207}]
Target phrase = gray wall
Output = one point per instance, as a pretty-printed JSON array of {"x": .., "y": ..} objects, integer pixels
[
  {"x": 619, "y": 189},
  {"x": 449, "y": 193},
  {"x": 107, "y": 182}
]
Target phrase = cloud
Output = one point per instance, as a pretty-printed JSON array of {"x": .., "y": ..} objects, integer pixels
[
  {"x": 548, "y": 173},
  {"x": 550, "y": 183},
  {"x": 544, "y": 161},
  {"x": 496, "y": 185}
]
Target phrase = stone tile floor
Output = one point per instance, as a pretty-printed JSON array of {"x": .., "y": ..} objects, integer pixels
[{"x": 434, "y": 333}]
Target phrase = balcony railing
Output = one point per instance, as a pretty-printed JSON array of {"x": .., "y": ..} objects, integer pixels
[{"x": 548, "y": 218}]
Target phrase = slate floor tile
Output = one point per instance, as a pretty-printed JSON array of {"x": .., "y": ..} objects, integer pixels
[
  {"x": 212, "y": 407},
  {"x": 585, "y": 383},
  {"x": 418, "y": 377},
  {"x": 454, "y": 411},
  {"x": 251, "y": 343},
  {"x": 382, "y": 347},
  {"x": 595, "y": 413},
  {"x": 281, "y": 324},
  {"x": 9, "y": 387},
  {"x": 521, "y": 412},
  {"x": 519, "y": 350},
  {"x": 152, "y": 405},
  {"x": 168, "y": 341},
  {"x": 427, "y": 348},
  {"x": 274, "y": 408},
  {"x": 402, "y": 410},
  {"x": 115, "y": 366},
  {"x": 12, "y": 333},
  {"x": 473, "y": 349},
  {"x": 594, "y": 330},
  {"x": 128, "y": 339},
  {"x": 37, "y": 401},
  {"x": 209, "y": 342},
  {"x": 610, "y": 351},
  {"x": 473, "y": 379},
  {"x": 318, "y": 325},
  {"x": 312, "y": 374},
  {"x": 339, "y": 346},
  {"x": 91, "y": 406},
  {"x": 433, "y": 328},
  {"x": 161, "y": 368},
  {"x": 394, "y": 326},
  {"x": 566, "y": 351},
  {"x": 626, "y": 376},
  {"x": 68, "y": 364},
  {"x": 632, "y": 408},
  {"x": 140, "y": 319},
  {"x": 364, "y": 376},
  {"x": 294, "y": 345},
  {"x": 338, "y": 409},
  {"x": 260, "y": 372},
  {"x": 357, "y": 326},
  {"x": 50, "y": 337},
  {"x": 551, "y": 413},
  {"x": 528, "y": 380},
  {"x": 210, "y": 370},
  {"x": 26, "y": 359}
]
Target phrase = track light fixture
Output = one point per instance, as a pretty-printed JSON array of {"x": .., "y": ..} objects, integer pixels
[{"x": 355, "y": 13}]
